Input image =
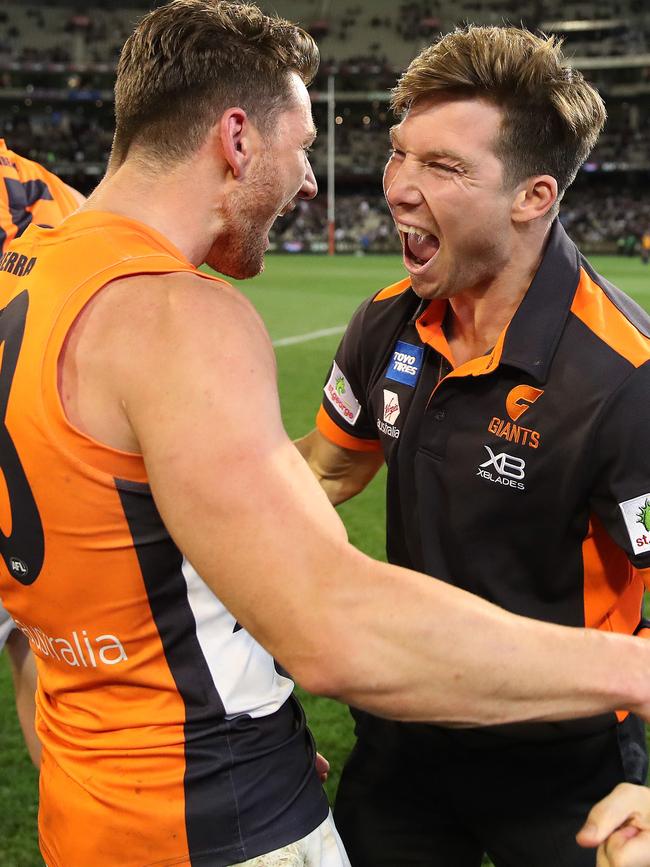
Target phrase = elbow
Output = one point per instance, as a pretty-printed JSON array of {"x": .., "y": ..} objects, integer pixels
[{"x": 322, "y": 675}]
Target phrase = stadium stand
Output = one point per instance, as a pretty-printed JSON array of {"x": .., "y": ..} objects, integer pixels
[{"x": 57, "y": 66}]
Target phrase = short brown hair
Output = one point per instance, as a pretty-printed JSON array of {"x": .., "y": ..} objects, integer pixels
[
  {"x": 551, "y": 116},
  {"x": 187, "y": 61}
]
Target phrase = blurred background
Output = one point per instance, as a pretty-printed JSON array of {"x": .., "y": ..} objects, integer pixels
[{"x": 57, "y": 65}]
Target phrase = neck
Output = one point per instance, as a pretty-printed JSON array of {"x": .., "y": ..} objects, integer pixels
[
  {"x": 160, "y": 199},
  {"x": 477, "y": 317}
]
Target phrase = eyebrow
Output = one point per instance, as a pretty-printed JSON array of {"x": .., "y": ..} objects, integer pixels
[
  {"x": 429, "y": 156},
  {"x": 310, "y": 138}
]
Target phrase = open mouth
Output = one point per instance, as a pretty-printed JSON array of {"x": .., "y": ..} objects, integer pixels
[{"x": 420, "y": 247}]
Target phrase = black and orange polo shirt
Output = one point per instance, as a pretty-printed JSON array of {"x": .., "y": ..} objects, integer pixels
[{"x": 522, "y": 476}]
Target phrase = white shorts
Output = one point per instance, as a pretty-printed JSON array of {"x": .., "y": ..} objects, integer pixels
[
  {"x": 321, "y": 848},
  {"x": 6, "y": 626}
]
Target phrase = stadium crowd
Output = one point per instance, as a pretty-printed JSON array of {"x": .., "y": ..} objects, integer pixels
[
  {"x": 356, "y": 35},
  {"x": 611, "y": 216},
  {"x": 71, "y": 133},
  {"x": 609, "y": 220}
]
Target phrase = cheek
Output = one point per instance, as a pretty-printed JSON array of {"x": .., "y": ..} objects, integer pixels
[{"x": 389, "y": 174}]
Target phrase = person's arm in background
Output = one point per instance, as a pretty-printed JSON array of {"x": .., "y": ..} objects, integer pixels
[
  {"x": 619, "y": 826},
  {"x": 342, "y": 473},
  {"x": 23, "y": 669}
]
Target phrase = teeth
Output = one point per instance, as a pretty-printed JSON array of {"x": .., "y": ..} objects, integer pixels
[{"x": 411, "y": 230}]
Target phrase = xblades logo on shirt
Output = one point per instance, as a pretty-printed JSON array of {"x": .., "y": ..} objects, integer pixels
[{"x": 503, "y": 469}]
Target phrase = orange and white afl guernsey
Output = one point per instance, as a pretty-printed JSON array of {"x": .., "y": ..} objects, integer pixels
[
  {"x": 169, "y": 735},
  {"x": 28, "y": 192}
]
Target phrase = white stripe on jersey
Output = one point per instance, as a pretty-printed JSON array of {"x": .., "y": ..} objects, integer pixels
[
  {"x": 6, "y": 625},
  {"x": 243, "y": 672}
]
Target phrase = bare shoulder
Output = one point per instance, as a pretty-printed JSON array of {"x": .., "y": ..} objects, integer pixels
[
  {"x": 149, "y": 319},
  {"x": 148, "y": 339},
  {"x": 180, "y": 299}
]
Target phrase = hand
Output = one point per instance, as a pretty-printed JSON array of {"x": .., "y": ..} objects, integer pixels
[
  {"x": 322, "y": 767},
  {"x": 620, "y": 826}
]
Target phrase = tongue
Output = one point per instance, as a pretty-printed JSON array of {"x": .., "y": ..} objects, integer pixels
[{"x": 422, "y": 249}]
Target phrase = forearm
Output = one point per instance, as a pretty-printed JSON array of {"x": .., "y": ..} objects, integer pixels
[
  {"x": 341, "y": 473},
  {"x": 24, "y": 675},
  {"x": 442, "y": 655}
]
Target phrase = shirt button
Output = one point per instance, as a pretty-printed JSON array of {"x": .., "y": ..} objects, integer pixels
[{"x": 439, "y": 414}]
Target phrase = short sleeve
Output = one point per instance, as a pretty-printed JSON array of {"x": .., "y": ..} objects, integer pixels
[
  {"x": 345, "y": 416},
  {"x": 621, "y": 492}
]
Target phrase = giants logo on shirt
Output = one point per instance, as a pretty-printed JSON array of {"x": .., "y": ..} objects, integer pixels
[{"x": 519, "y": 400}]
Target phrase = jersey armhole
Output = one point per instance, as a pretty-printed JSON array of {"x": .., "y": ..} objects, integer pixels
[{"x": 64, "y": 435}]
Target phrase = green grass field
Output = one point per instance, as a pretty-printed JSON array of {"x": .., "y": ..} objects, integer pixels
[{"x": 295, "y": 296}]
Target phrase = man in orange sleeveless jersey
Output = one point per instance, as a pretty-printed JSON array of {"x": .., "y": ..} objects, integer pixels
[
  {"x": 28, "y": 193},
  {"x": 171, "y": 558}
]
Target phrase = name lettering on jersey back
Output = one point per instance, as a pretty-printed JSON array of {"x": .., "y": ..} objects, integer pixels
[
  {"x": 80, "y": 650},
  {"x": 16, "y": 263}
]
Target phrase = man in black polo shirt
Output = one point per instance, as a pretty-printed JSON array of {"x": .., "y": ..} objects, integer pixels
[{"x": 506, "y": 386}]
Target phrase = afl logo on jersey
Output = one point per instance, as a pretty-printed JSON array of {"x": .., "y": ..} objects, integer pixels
[
  {"x": 18, "y": 567},
  {"x": 405, "y": 363}
]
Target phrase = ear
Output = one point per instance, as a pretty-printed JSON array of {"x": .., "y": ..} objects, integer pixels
[
  {"x": 236, "y": 137},
  {"x": 534, "y": 198}
]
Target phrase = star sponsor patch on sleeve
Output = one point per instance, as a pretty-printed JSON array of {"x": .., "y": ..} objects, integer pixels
[
  {"x": 339, "y": 393},
  {"x": 636, "y": 513}
]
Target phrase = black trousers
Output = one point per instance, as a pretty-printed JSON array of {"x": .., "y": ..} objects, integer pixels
[{"x": 410, "y": 798}]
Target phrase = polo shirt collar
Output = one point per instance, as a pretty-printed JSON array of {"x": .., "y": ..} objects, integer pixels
[
  {"x": 536, "y": 328},
  {"x": 530, "y": 339}
]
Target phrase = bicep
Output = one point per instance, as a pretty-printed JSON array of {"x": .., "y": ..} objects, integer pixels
[{"x": 231, "y": 488}]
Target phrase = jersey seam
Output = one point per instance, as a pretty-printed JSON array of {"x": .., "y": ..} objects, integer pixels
[{"x": 597, "y": 426}]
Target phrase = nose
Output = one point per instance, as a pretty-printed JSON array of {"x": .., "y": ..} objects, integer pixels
[
  {"x": 309, "y": 186},
  {"x": 400, "y": 184}
]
